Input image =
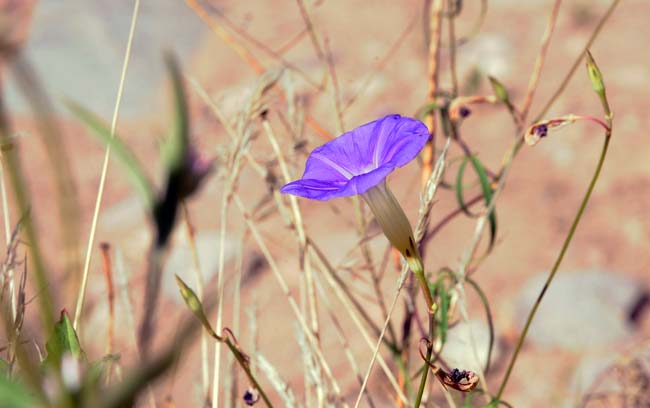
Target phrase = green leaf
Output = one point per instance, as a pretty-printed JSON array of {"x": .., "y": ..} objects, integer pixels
[
  {"x": 121, "y": 152},
  {"x": 4, "y": 368},
  {"x": 64, "y": 339},
  {"x": 487, "y": 195},
  {"x": 486, "y": 189},
  {"x": 597, "y": 83},
  {"x": 194, "y": 303},
  {"x": 176, "y": 145},
  {"x": 499, "y": 90},
  {"x": 595, "y": 76},
  {"x": 459, "y": 187},
  {"x": 488, "y": 313},
  {"x": 14, "y": 394},
  {"x": 444, "y": 300},
  {"x": 501, "y": 93}
]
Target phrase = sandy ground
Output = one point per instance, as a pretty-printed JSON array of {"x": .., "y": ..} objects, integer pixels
[{"x": 535, "y": 210}]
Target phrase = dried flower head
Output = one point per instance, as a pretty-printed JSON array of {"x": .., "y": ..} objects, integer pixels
[
  {"x": 539, "y": 130},
  {"x": 460, "y": 380},
  {"x": 251, "y": 396}
]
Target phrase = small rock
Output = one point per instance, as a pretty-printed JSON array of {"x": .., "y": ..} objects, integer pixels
[
  {"x": 581, "y": 310},
  {"x": 614, "y": 380},
  {"x": 490, "y": 53},
  {"x": 458, "y": 351}
]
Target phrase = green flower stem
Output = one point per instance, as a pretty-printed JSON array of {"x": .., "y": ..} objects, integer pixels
[
  {"x": 419, "y": 274},
  {"x": 425, "y": 367},
  {"x": 245, "y": 366},
  {"x": 558, "y": 261}
]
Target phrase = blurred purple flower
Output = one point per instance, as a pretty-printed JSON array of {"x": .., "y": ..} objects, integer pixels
[{"x": 360, "y": 159}]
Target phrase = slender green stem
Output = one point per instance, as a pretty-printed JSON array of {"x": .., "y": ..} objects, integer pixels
[
  {"x": 425, "y": 367},
  {"x": 246, "y": 368},
  {"x": 558, "y": 261},
  {"x": 425, "y": 289}
]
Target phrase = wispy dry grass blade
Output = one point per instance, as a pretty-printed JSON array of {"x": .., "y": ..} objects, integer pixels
[
  {"x": 108, "y": 274},
  {"x": 281, "y": 386},
  {"x": 425, "y": 207},
  {"x": 541, "y": 57},
  {"x": 246, "y": 56},
  {"x": 313, "y": 342},
  {"x": 354, "y": 366},
  {"x": 346, "y": 299},
  {"x": 7, "y": 228},
  {"x": 122, "y": 283},
  {"x": 191, "y": 239},
  {"x": 435, "y": 25},
  {"x": 102, "y": 180}
]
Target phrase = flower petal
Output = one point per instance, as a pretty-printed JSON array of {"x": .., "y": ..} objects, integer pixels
[
  {"x": 360, "y": 159},
  {"x": 326, "y": 190}
]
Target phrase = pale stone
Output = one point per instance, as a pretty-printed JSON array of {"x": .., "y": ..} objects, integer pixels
[{"x": 581, "y": 310}]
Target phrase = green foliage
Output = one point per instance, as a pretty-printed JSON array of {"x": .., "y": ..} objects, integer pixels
[
  {"x": 121, "y": 151},
  {"x": 175, "y": 147},
  {"x": 501, "y": 93},
  {"x": 598, "y": 84},
  {"x": 443, "y": 297},
  {"x": 194, "y": 304},
  {"x": 64, "y": 339},
  {"x": 486, "y": 189},
  {"x": 13, "y": 394}
]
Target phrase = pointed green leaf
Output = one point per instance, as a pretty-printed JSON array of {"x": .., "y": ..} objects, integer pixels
[
  {"x": 192, "y": 301},
  {"x": 486, "y": 189},
  {"x": 64, "y": 339},
  {"x": 490, "y": 320},
  {"x": 459, "y": 187},
  {"x": 444, "y": 299},
  {"x": 597, "y": 83},
  {"x": 121, "y": 152},
  {"x": 175, "y": 146},
  {"x": 595, "y": 75},
  {"x": 487, "y": 195},
  {"x": 499, "y": 90},
  {"x": 501, "y": 93}
]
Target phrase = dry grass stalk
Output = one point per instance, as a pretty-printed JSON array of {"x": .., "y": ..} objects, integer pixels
[
  {"x": 246, "y": 56},
  {"x": 539, "y": 62},
  {"x": 313, "y": 342},
  {"x": 102, "y": 180},
  {"x": 108, "y": 274},
  {"x": 191, "y": 239},
  {"x": 435, "y": 28},
  {"x": 431, "y": 184}
]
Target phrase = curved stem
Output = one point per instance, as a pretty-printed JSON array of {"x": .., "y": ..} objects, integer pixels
[
  {"x": 558, "y": 261},
  {"x": 425, "y": 367},
  {"x": 244, "y": 365}
]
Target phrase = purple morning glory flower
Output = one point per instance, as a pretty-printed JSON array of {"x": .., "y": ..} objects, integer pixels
[
  {"x": 360, "y": 159},
  {"x": 357, "y": 162}
]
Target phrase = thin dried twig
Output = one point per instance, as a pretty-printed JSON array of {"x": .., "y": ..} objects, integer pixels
[
  {"x": 108, "y": 273},
  {"x": 426, "y": 202},
  {"x": 246, "y": 56},
  {"x": 191, "y": 239},
  {"x": 313, "y": 342},
  {"x": 428, "y": 153},
  {"x": 541, "y": 57},
  {"x": 102, "y": 179}
]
